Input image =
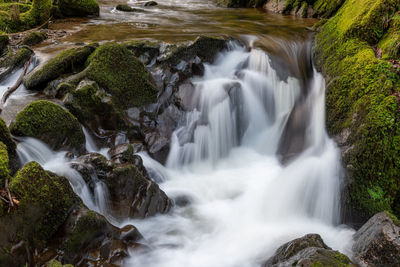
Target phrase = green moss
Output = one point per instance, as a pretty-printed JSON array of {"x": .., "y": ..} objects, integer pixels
[
  {"x": 4, "y": 164},
  {"x": 15, "y": 58},
  {"x": 126, "y": 8},
  {"x": 395, "y": 220},
  {"x": 361, "y": 97},
  {"x": 5, "y": 138},
  {"x": 65, "y": 62},
  {"x": 50, "y": 123},
  {"x": 49, "y": 195},
  {"x": 34, "y": 38},
  {"x": 21, "y": 7},
  {"x": 390, "y": 43},
  {"x": 326, "y": 8},
  {"x": 4, "y": 40},
  {"x": 89, "y": 230},
  {"x": 54, "y": 263},
  {"x": 121, "y": 74},
  {"x": 79, "y": 8}
]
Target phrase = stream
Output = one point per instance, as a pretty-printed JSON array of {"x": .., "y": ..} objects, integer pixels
[{"x": 251, "y": 164}]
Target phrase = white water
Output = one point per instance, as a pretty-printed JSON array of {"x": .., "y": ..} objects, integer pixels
[{"x": 243, "y": 202}]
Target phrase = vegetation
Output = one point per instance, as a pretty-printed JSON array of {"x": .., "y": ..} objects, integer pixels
[
  {"x": 50, "y": 123},
  {"x": 362, "y": 96},
  {"x": 121, "y": 74},
  {"x": 34, "y": 38},
  {"x": 79, "y": 8}
]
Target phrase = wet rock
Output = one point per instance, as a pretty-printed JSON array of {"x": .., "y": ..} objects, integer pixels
[
  {"x": 126, "y": 8},
  {"x": 79, "y": 8},
  {"x": 88, "y": 238},
  {"x": 377, "y": 242},
  {"x": 307, "y": 251},
  {"x": 45, "y": 200},
  {"x": 184, "y": 96},
  {"x": 68, "y": 61},
  {"x": 145, "y": 50},
  {"x": 51, "y": 124},
  {"x": 34, "y": 38},
  {"x": 151, "y": 3}
]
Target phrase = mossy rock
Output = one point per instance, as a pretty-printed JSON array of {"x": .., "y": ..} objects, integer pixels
[
  {"x": 34, "y": 38},
  {"x": 45, "y": 198},
  {"x": 50, "y": 123},
  {"x": 241, "y": 3},
  {"x": 4, "y": 163},
  {"x": 5, "y": 138},
  {"x": 122, "y": 75},
  {"x": 92, "y": 106},
  {"x": 79, "y": 8},
  {"x": 68, "y": 61},
  {"x": 390, "y": 43},
  {"x": 126, "y": 8},
  {"x": 361, "y": 99}
]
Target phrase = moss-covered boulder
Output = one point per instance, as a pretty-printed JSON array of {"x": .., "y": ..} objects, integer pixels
[
  {"x": 4, "y": 40},
  {"x": 50, "y": 123},
  {"x": 309, "y": 250},
  {"x": 79, "y": 8},
  {"x": 390, "y": 42},
  {"x": 68, "y": 61},
  {"x": 122, "y": 75},
  {"x": 34, "y": 38},
  {"x": 362, "y": 103},
  {"x": 127, "y": 8},
  {"x": 54, "y": 263},
  {"x": 45, "y": 201},
  {"x": 5, "y": 138},
  {"x": 92, "y": 106}
]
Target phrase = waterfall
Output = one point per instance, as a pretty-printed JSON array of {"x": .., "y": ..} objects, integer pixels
[{"x": 247, "y": 194}]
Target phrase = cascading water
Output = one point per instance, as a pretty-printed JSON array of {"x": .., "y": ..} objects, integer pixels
[{"x": 241, "y": 201}]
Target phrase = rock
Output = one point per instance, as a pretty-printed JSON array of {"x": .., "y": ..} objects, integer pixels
[
  {"x": 68, "y": 61},
  {"x": 121, "y": 74},
  {"x": 54, "y": 263},
  {"x": 377, "y": 242},
  {"x": 5, "y": 138},
  {"x": 151, "y": 3},
  {"x": 51, "y": 124},
  {"x": 126, "y": 8},
  {"x": 92, "y": 106},
  {"x": 146, "y": 51},
  {"x": 87, "y": 238},
  {"x": 45, "y": 200},
  {"x": 15, "y": 58},
  {"x": 309, "y": 250},
  {"x": 79, "y": 8},
  {"x": 34, "y": 38}
]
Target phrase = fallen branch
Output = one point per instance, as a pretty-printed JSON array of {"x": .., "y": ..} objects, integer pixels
[
  {"x": 17, "y": 83},
  {"x": 9, "y": 194}
]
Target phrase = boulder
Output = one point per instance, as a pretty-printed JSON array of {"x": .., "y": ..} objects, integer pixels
[
  {"x": 51, "y": 124},
  {"x": 121, "y": 74},
  {"x": 126, "y": 8},
  {"x": 79, "y": 8},
  {"x": 309, "y": 250},
  {"x": 68, "y": 61},
  {"x": 45, "y": 201},
  {"x": 151, "y": 3},
  {"x": 34, "y": 38},
  {"x": 377, "y": 242}
]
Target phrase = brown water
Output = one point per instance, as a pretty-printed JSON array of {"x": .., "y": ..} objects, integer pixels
[{"x": 176, "y": 21}]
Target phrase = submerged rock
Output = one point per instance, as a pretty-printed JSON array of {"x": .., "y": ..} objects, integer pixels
[
  {"x": 126, "y": 8},
  {"x": 51, "y": 124},
  {"x": 377, "y": 243},
  {"x": 151, "y": 3},
  {"x": 79, "y": 8},
  {"x": 309, "y": 250}
]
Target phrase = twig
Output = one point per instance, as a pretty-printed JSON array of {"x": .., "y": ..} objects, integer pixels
[
  {"x": 17, "y": 83},
  {"x": 5, "y": 200},
  {"x": 9, "y": 194}
]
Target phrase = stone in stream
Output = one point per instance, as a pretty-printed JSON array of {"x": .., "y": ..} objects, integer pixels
[
  {"x": 377, "y": 242},
  {"x": 79, "y": 8},
  {"x": 309, "y": 250},
  {"x": 126, "y": 8},
  {"x": 151, "y": 3},
  {"x": 51, "y": 124},
  {"x": 132, "y": 193}
]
